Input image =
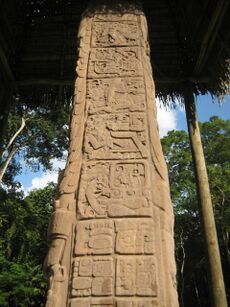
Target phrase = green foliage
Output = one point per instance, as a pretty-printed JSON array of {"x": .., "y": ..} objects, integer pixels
[
  {"x": 45, "y": 136},
  {"x": 24, "y": 221},
  {"x": 179, "y": 161},
  {"x": 191, "y": 258},
  {"x": 23, "y": 226},
  {"x": 21, "y": 284}
]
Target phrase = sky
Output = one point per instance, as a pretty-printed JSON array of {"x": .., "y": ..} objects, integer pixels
[{"x": 167, "y": 120}]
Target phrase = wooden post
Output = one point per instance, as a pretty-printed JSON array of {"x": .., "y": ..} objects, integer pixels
[{"x": 205, "y": 203}]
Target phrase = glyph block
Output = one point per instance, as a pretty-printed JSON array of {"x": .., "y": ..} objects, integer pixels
[
  {"x": 99, "y": 280},
  {"x": 135, "y": 236},
  {"x": 94, "y": 237},
  {"x": 136, "y": 276}
]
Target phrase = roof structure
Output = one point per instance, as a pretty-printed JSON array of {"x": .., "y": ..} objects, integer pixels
[{"x": 189, "y": 41}]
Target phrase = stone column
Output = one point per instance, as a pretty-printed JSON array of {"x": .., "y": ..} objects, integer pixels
[{"x": 111, "y": 232}]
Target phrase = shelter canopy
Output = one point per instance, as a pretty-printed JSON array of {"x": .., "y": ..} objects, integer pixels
[{"x": 189, "y": 41}]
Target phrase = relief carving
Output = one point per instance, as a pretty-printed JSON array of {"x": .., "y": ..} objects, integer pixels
[
  {"x": 115, "y": 62},
  {"x": 94, "y": 302},
  {"x": 94, "y": 237},
  {"x": 115, "y": 95},
  {"x": 60, "y": 230},
  {"x": 92, "y": 276},
  {"x": 134, "y": 236},
  {"x": 94, "y": 190},
  {"x": 115, "y": 189},
  {"x": 136, "y": 303},
  {"x": 129, "y": 176},
  {"x": 125, "y": 278},
  {"x": 146, "y": 277},
  {"x": 109, "y": 244},
  {"x": 123, "y": 33},
  {"x": 69, "y": 182},
  {"x": 136, "y": 276},
  {"x": 116, "y": 17},
  {"x": 57, "y": 262},
  {"x": 109, "y": 302},
  {"x": 116, "y": 136}
]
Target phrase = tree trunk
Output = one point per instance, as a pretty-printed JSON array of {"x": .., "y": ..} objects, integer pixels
[
  {"x": 205, "y": 204},
  {"x": 5, "y": 103},
  {"x": 23, "y": 124},
  {"x": 5, "y": 164}
]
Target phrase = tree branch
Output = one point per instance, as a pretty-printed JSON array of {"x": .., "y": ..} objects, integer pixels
[
  {"x": 23, "y": 124},
  {"x": 6, "y": 162}
]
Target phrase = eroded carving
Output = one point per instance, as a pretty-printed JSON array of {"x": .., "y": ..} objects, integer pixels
[
  {"x": 69, "y": 182},
  {"x": 115, "y": 189},
  {"x": 116, "y": 136},
  {"x": 94, "y": 302},
  {"x": 123, "y": 33},
  {"x": 136, "y": 303},
  {"x": 109, "y": 302},
  {"x": 115, "y": 62},
  {"x": 60, "y": 230},
  {"x": 136, "y": 276},
  {"x": 123, "y": 15},
  {"x": 115, "y": 95},
  {"x": 146, "y": 277},
  {"x": 125, "y": 278},
  {"x": 94, "y": 237},
  {"x": 114, "y": 146},
  {"x": 135, "y": 236},
  {"x": 92, "y": 276}
]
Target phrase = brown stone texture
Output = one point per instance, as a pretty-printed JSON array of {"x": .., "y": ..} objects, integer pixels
[{"x": 111, "y": 233}]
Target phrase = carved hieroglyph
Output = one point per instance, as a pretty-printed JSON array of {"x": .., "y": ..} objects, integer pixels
[{"x": 111, "y": 232}]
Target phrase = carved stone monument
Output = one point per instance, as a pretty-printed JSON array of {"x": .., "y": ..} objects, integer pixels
[{"x": 111, "y": 232}]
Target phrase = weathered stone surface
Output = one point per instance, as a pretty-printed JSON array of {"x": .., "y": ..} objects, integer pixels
[
  {"x": 111, "y": 233},
  {"x": 116, "y": 136},
  {"x": 122, "y": 33},
  {"x": 115, "y": 62},
  {"x": 92, "y": 302},
  {"x": 136, "y": 303},
  {"x": 115, "y": 95},
  {"x": 93, "y": 276},
  {"x": 115, "y": 189},
  {"x": 136, "y": 276},
  {"x": 135, "y": 236},
  {"x": 94, "y": 237},
  {"x": 107, "y": 302}
]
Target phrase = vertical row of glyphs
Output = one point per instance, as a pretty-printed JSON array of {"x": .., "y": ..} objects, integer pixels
[
  {"x": 57, "y": 264},
  {"x": 160, "y": 188},
  {"x": 115, "y": 217}
]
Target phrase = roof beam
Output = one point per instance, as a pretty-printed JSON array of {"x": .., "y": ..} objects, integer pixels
[
  {"x": 50, "y": 82},
  {"x": 44, "y": 58},
  {"x": 5, "y": 65},
  {"x": 210, "y": 35},
  {"x": 53, "y": 82}
]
